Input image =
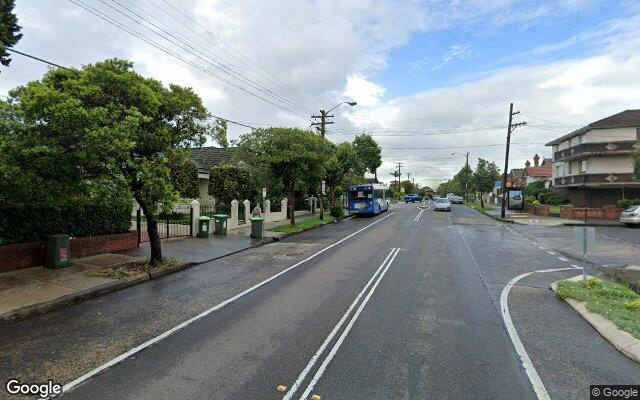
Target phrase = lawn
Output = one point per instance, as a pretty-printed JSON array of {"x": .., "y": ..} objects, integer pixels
[
  {"x": 616, "y": 302},
  {"x": 476, "y": 206},
  {"x": 303, "y": 224},
  {"x": 554, "y": 209}
]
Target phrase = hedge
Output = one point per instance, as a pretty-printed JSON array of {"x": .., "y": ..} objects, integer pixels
[
  {"x": 624, "y": 204},
  {"x": 100, "y": 215}
]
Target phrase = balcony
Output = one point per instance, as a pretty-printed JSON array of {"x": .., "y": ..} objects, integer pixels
[
  {"x": 600, "y": 179},
  {"x": 591, "y": 149}
]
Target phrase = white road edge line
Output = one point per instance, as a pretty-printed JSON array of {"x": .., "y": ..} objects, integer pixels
[
  {"x": 563, "y": 259},
  {"x": 576, "y": 266},
  {"x": 335, "y": 330},
  {"x": 344, "y": 334},
  {"x": 534, "y": 378},
  {"x": 152, "y": 341}
]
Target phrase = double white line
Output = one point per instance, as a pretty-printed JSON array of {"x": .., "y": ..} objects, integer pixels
[
  {"x": 384, "y": 267},
  {"x": 417, "y": 218}
]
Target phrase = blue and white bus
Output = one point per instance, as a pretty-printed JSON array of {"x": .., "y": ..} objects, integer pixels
[{"x": 368, "y": 199}]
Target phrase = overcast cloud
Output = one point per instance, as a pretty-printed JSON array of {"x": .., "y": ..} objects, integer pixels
[{"x": 321, "y": 52}]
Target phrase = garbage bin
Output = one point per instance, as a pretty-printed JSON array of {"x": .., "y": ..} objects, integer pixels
[
  {"x": 221, "y": 224},
  {"x": 203, "y": 226},
  {"x": 256, "y": 227},
  {"x": 58, "y": 252}
]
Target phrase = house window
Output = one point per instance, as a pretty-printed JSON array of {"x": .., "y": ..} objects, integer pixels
[
  {"x": 570, "y": 168},
  {"x": 638, "y": 134},
  {"x": 559, "y": 172},
  {"x": 583, "y": 166}
]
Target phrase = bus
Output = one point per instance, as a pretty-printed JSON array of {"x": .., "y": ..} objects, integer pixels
[{"x": 368, "y": 199}]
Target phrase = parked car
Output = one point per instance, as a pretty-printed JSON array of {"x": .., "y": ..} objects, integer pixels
[
  {"x": 441, "y": 204},
  {"x": 631, "y": 216},
  {"x": 456, "y": 200},
  {"x": 412, "y": 198}
]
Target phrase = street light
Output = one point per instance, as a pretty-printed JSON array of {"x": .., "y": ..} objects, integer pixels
[
  {"x": 466, "y": 179},
  {"x": 323, "y": 122}
]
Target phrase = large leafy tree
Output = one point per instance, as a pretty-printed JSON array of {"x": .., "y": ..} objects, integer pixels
[
  {"x": 9, "y": 30},
  {"x": 636, "y": 164},
  {"x": 484, "y": 177},
  {"x": 343, "y": 169},
  {"x": 369, "y": 152},
  {"x": 112, "y": 123},
  {"x": 293, "y": 156},
  {"x": 229, "y": 182}
]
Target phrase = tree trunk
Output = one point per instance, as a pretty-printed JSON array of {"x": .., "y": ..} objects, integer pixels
[
  {"x": 292, "y": 207},
  {"x": 481, "y": 201},
  {"x": 152, "y": 232},
  {"x": 332, "y": 195},
  {"x": 375, "y": 174}
]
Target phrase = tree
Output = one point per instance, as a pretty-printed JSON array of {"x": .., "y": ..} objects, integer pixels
[
  {"x": 9, "y": 30},
  {"x": 369, "y": 152},
  {"x": 184, "y": 176},
  {"x": 343, "y": 169},
  {"x": 636, "y": 164},
  {"x": 484, "y": 178},
  {"x": 219, "y": 132},
  {"x": 228, "y": 182},
  {"x": 293, "y": 156},
  {"x": 111, "y": 123}
]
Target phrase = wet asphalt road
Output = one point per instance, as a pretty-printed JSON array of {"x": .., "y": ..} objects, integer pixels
[{"x": 429, "y": 329}]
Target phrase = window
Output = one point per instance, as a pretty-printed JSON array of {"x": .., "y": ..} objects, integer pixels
[
  {"x": 583, "y": 166},
  {"x": 638, "y": 134},
  {"x": 559, "y": 171},
  {"x": 570, "y": 168}
]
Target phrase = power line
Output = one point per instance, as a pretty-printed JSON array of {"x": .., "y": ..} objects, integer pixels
[
  {"x": 39, "y": 59},
  {"x": 119, "y": 25},
  {"x": 207, "y": 58}
]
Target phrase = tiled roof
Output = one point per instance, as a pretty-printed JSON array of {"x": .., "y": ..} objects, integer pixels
[
  {"x": 517, "y": 173},
  {"x": 543, "y": 171},
  {"x": 208, "y": 157},
  {"x": 627, "y": 118}
]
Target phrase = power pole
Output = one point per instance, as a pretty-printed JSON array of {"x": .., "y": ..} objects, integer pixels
[
  {"x": 466, "y": 180},
  {"x": 323, "y": 122},
  {"x": 399, "y": 165},
  {"x": 510, "y": 128}
]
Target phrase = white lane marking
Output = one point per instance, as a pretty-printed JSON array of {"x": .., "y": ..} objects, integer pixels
[
  {"x": 534, "y": 378},
  {"x": 344, "y": 334},
  {"x": 218, "y": 306},
  {"x": 335, "y": 330},
  {"x": 576, "y": 266},
  {"x": 551, "y": 252},
  {"x": 542, "y": 248},
  {"x": 563, "y": 259},
  {"x": 417, "y": 218}
]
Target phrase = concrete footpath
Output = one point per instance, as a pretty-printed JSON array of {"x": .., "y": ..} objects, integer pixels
[
  {"x": 524, "y": 218},
  {"x": 39, "y": 289}
]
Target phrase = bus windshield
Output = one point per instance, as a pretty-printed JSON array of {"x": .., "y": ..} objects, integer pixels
[{"x": 360, "y": 194}]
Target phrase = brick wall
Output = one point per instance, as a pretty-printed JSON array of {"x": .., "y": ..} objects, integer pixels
[
  {"x": 25, "y": 255},
  {"x": 592, "y": 213}
]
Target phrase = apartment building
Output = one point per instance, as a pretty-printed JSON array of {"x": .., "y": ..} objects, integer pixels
[{"x": 593, "y": 164}]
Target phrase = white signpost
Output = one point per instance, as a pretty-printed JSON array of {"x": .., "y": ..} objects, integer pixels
[
  {"x": 584, "y": 239},
  {"x": 323, "y": 188},
  {"x": 264, "y": 193}
]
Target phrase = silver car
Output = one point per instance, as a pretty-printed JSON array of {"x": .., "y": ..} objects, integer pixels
[
  {"x": 441, "y": 204},
  {"x": 631, "y": 216}
]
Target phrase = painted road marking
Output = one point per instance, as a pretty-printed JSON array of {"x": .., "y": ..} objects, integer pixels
[
  {"x": 217, "y": 307},
  {"x": 542, "y": 248},
  {"x": 335, "y": 329},
  {"x": 576, "y": 266},
  {"x": 551, "y": 252},
  {"x": 417, "y": 218},
  {"x": 563, "y": 259},
  {"x": 534, "y": 378},
  {"x": 337, "y": 345}
]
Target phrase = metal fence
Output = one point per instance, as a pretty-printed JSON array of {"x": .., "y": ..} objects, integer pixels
[{"x": 176, "y": 223}]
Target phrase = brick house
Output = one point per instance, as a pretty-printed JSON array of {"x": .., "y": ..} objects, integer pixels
[
  {"x": 593, "y": 165},
  {"x": 521, "y": 177}
]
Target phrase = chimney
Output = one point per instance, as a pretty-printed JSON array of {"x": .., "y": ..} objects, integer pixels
[
  {"x": 527, "y": 164},
  {"x": 536, "y": 160}
]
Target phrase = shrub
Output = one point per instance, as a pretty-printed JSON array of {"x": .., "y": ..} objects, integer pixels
[
  {"x": 535, "y": 202},
  {"x": 624, "y": 204},
  {"x": 103, "y": 213},
  {"x": 336, "y": 211},
  {"x": 554, "y": 200}
]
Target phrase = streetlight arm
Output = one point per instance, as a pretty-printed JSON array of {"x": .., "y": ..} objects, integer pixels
[{"x": 351, "y": 103}]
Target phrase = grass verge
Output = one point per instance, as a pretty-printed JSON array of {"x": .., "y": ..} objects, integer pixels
[
  {"x": 304, "y": 224},
  {"x": 130, "y": 268},
  {"x": 616, "y": 302}
]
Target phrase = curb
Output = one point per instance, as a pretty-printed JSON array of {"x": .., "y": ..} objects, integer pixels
[
  {"x": 595, "y": 225},
  {"x": 109, "y": 287},
  {"x": 626, "y": 343}
]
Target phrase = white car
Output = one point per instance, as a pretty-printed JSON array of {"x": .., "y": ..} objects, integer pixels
[
  {"x": 441, "y": 204},
  {"x": 631, "y": 216}
]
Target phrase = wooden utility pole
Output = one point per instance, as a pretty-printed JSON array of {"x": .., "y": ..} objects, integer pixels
[
  {"x": 323, "y": 122},
  {"x": 510, "y": 129}
]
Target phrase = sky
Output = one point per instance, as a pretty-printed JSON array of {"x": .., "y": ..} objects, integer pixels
[{"x": 431, "y": 78}]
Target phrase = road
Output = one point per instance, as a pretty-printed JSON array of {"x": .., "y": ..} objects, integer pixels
[{"x": 405, "y": 305}]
